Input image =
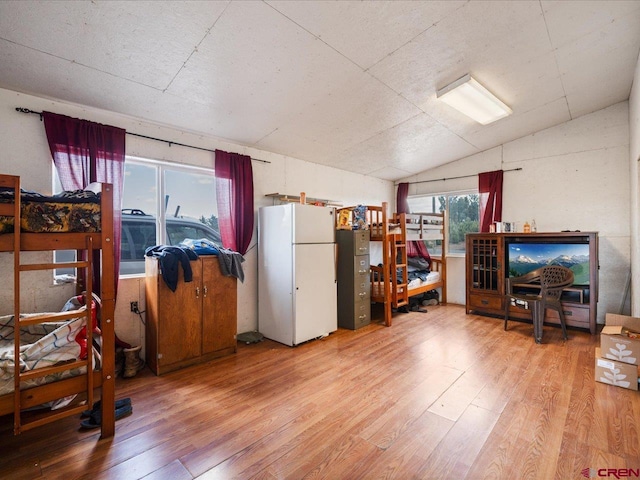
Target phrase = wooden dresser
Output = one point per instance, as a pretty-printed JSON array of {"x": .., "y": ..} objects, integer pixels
[{"x": 194, "y": 324}]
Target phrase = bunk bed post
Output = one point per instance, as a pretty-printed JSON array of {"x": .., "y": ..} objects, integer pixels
[
  {"x": 88, "y": 302},
  {"x": 443, "y": 260},
  {"x": 13, "y": 210},
  {"x": 107, "y": 326},
  {"x": 387, "y": 274}
]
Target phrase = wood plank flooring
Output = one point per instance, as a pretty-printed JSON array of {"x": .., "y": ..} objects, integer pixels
[{"x": 440, "y": 395}]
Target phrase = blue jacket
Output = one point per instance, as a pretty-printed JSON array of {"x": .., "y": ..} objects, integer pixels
[{"x": 170, "y": 257}]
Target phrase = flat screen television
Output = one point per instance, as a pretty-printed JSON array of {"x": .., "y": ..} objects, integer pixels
[{"x": 523, "y": 257}]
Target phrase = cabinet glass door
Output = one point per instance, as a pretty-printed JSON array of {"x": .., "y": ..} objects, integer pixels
[{"x": 486, "y": 264}]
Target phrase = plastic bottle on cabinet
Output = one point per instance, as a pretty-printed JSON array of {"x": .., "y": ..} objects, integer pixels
[
  {"x": 534, "y": 229},
  {"x": 526, "y": 228}
]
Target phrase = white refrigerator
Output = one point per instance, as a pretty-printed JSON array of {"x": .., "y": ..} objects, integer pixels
[{"x": 297, "y": 284}]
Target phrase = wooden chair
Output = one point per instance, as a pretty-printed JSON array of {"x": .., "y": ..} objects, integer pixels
[{"x": 552, "y": 279}]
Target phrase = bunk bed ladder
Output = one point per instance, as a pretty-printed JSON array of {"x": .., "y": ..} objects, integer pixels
[
  {"x": 19, "y": 424},
  {"x": 400, "y": 290},
  {"x": 22, "y": 396},
  {"x": 382, "y": 230}
]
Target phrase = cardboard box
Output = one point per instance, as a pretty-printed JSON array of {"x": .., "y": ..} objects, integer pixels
[
  {"x": 616, "y": 373},
  {"x": 617, "y": 340}
]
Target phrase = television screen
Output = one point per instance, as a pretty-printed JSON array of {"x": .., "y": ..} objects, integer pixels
[{"x": 525, "y": 257}]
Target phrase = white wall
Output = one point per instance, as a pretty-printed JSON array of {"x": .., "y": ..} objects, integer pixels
[
  {"x": 25, "y": 152},
  {"x": 634, "y": 158},
  {"x": 574, "y": 177}
]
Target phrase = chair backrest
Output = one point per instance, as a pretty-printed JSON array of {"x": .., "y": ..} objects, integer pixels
[
  {"x": 531, "y": 277},
  {"x": 553, "y": 278}
]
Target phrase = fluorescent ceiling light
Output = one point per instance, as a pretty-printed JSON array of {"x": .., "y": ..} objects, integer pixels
[{"x": 469, "y": 97}]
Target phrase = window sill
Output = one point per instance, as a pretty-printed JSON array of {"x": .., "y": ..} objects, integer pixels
[{"x": 131, "y": 275}]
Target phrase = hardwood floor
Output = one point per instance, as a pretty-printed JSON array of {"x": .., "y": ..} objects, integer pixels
[{"x": 439, "y": 395}]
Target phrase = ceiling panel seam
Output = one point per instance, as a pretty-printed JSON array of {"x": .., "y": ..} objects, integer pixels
[
  {"x": 453, "y": 12},
  {"x": 318, "y": 38},
  {"x": 555, "y": 59},
  {"x": 195, "y": 49},
  {"x": 80, "y": 64}
]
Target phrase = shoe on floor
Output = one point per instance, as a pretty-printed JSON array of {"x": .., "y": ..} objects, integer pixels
[
  {"x": 95, "y": 419},
  {"x": 96, "y": 406},
  {"x": 430, "y": 302}
]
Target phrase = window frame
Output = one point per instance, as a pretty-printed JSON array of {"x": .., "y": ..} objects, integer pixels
[
  {"x": 161, "y": 168},
  {"x": 456, "y": 193}
]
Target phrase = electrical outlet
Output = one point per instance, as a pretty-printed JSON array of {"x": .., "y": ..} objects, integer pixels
[{"x": 134, "y": 307}]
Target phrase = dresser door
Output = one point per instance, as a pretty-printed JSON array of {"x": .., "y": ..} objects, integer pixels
[
  {"x": 219, "y": 309},
  {"x": 180, "y": 313}
]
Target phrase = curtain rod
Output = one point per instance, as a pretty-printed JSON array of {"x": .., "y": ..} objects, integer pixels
[
  {"x": 455, "y": 178},
  {"x": 26, "y": 110}
]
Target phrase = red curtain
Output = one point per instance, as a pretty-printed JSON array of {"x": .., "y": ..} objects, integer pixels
[
  {"x": 401, "y": 200},
  {"x": 234, "y": 195},
  {"x": 490, "y": 189},
  {"x": 85, "y": 152},
  {"x": 414, "y": 248}
]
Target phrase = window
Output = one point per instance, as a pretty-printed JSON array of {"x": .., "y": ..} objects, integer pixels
[
  {"x": 464, "y": 214},
  {"x": 162, "y": 203}
]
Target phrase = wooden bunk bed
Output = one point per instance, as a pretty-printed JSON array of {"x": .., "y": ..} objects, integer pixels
[
  {"x": 394, "y": 232},
  {"x": 101, "y": 239}
]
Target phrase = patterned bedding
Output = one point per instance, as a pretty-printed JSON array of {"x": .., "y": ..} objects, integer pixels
[
  {"x": 43, "y": 345},
  {"x": 73, "y": 211}
]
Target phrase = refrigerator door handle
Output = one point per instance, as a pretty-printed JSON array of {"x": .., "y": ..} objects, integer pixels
[{"x": 335, "y": 262}]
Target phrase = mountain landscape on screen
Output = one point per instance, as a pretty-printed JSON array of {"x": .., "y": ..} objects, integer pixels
[{"x": 525, "y": 257}]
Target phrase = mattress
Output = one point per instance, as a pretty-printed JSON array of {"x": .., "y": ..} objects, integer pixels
[
  {"x": 66, "y": 212},
  {"x": 432, "y": 277}
]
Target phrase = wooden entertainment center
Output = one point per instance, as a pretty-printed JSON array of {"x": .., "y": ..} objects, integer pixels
[{"x": 487, "y": 267}]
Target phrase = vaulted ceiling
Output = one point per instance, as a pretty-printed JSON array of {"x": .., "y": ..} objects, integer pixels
[{"x": 350, "y": 84}]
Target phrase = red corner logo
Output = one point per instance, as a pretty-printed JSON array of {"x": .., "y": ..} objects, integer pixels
[{"x": 610, "y": 472}]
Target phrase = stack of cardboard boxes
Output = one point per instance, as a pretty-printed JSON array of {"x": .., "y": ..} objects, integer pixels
[{"x": 618, "y": 357}]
